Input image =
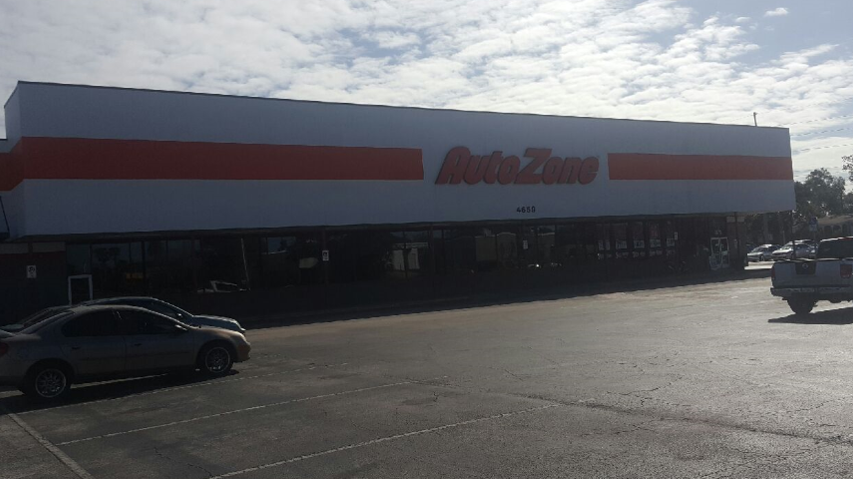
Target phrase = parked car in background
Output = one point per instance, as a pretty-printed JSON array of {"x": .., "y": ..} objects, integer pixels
[
  {"x": 90, "y": 343},
  {"x": 762, "y": 253},
  {"x": 804, "y": 282},
  {"x": 805, "y": 249},
  {"x": 215, "y": 286},
  {"x": 172, "y": 311}
]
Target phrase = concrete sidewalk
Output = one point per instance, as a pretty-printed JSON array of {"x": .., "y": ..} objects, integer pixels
[
  {"x": 760, "y": 266},
  {"x": 752, "y": 271}
]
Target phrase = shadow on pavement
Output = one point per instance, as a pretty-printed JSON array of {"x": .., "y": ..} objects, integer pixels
[
  {"x": 835, "y": 316},
  {"x": 504, "y": 298},
  {"x": 107, "y": 390}
]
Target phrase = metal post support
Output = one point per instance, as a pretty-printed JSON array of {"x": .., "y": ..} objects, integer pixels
[{"x": 793, "y": 240}]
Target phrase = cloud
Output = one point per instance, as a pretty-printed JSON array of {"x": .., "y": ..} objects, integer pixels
[
  {"x": 777, "y": 12},
  {"x": 654, "y": 59},
  {"x": 392, "y": 39},
  {"x": 803, "y": 56}
]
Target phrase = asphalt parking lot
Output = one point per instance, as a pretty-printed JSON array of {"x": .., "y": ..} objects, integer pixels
[{"x": 714, "y": 380}]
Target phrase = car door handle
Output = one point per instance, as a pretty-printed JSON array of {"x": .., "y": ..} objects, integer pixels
[
  {"x": 75, "y": 348},
  {"x": 136, "y": 344}
]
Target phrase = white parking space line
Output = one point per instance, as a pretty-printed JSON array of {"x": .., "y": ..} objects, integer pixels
[
  {"x": 254, "y": 408},
  {"x": 188, "y": 386},
  {"x": 384, "y": 439},
  {"x": 51, "y": 448}
]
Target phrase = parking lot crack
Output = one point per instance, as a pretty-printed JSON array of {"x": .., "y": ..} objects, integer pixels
[
  {"x": 513, "y": 374},
  {"x": 633, "y": 428},
  {"x": 161, "y": 454}
]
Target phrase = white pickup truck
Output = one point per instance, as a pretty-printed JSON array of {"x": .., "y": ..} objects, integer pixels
[{"x": 828, "y": 277}]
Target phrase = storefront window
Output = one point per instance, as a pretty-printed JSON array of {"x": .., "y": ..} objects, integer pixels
[
  {"x": 485, "y": 248},
  {"x": 507, "y": 246},
  {"x": 169, "y": 266},
  {"x": 222, "y": 266},
  {"x": 289, "y": 260},
  {"x": 655, "y": 243},
  {"x": 528, "y": 247},
  {"x": 717, "y": 227},
  {"x": 546, "y": 245},
  {"x": 603, "y": 233},
  {"x": 396, "y": 257},
  {"x": 638, "y": 240},
  {"x": 342, "y": 256},
  {"x": 461, "y": 252},
  {"x": 590, "y": 243},
  {"x": 117, "y": 269},
  {"x": 569, "y": 249},
  {"x": 620, "y": 235},
  {"x": 439, "y": 251},
  {"x": 671, "y": 239},
  {"x": 380, "y": 255},
  {"x": 418, "y": 257},
  {"x": 79, "y": 257}
]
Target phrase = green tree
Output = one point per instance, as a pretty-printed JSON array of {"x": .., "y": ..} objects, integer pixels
[
  {"x": 820, "y": 194},
  {"x": 847, "y": 165}
]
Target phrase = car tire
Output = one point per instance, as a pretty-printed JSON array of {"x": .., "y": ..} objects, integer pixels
[
  {"x": 216, "y": 359},
  {"x": 47, "y": 381},
  {"x": 801, "y": 306}
]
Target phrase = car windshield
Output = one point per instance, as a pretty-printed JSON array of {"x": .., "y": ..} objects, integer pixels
[{"x": 835, "y": 249}]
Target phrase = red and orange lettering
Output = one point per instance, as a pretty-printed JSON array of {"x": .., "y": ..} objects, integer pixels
[
  {"x": 460, "y": 165},
  {"x": 589, "y": 170},
  {"x": 551, "y": 170},
  {"x": 571, "y": 169},
  {"x": 492, "y": 169},
  {"x": 476, "y": 169},
  {"x": 454, "y": 166},
  {"x": 528, "y": 175},
  {"x": 508, "y": 170}
]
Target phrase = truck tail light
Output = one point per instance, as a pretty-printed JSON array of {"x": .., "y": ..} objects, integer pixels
[
  {"x": 4, "y": 348},
  {"x": 846, "y": 271}
]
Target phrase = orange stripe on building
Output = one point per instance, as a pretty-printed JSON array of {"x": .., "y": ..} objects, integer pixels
[
  {"x": 75, "y": 158},
  {"x": 641, "y": 166},
  {"x": 7, "y": 181},
  {"x": 11, "y": 168}
]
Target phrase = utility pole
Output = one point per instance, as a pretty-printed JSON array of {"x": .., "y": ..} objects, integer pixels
[{"x": 755, "y": 118}]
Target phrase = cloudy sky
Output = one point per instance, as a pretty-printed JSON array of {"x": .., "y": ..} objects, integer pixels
[{"x": 686, "y": 60}]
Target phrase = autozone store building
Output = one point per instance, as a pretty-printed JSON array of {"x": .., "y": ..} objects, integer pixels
[{"x": 246, "y": 206}]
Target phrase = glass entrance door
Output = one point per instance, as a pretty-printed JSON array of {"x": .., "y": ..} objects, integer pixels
[
  {"x": 719, "y": 258},
  {"x": 79, "y": 288}
]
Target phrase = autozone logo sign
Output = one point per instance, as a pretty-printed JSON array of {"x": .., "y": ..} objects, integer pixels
[{"x": 540, "y": 168}]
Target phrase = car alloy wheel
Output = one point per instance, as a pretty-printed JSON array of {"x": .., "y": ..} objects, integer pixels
[
  {"x": 50, "y": 383},
  {"x": 217, "y": 359}
]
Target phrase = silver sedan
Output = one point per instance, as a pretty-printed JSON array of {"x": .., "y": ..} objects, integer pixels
[
  {"x": 61, "y": 346},
  {"x": 172, "y": 311}
]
